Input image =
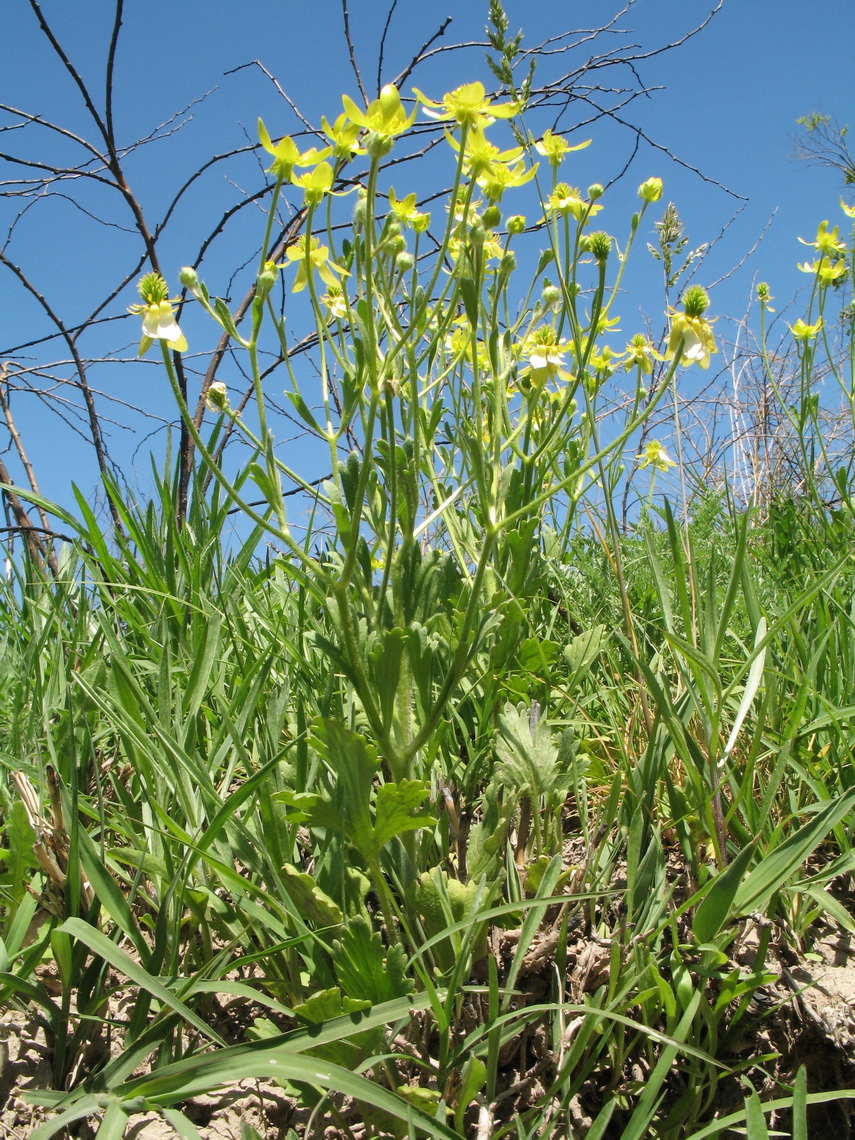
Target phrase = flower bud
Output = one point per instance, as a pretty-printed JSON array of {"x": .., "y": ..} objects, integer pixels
[
  {"x": 404, "y": 261},
  {"x": 266, "y": 280},
  {"x": 377, "y": 145},
  {"x": 516, "y": 224},
  {"x": 360, "y": 210},
  {"x": 492, "y": 216},
  {"x": 217, "y": 397},
  {"x": 189, "y": 278},
  {"x": 651, "y": 190},
  {"x": 390, "y": 100},
  {"x": 596, "y": 191},
  {"x": 551, "y": 295},
  {"x": 477, "y": 234}
]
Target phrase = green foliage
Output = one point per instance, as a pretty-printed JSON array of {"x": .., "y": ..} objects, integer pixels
[{"x": 470, "y": 798}]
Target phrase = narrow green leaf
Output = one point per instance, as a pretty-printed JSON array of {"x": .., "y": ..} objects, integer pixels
[
  {"x": 100, "y": 944},
  {"x": 639, "y": 1122},
  {"x": 755, "y": 676},
  {"x": 776, "y": 866},
  {"x": 714, "y": 908},
  {"x": 755, "y": 1123},
  {"x": 112, "y": 1127},
  {"x": 184, "y": 1127},
  {"x": 800, "y": 1130}
]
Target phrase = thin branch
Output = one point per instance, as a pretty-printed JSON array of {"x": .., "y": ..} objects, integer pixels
[
  {"x": 94, "y": 425},
  {"x": 352, "y": 53}
]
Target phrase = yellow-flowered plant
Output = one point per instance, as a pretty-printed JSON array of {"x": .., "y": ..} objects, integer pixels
[
  {"x": 158, "y": 315},
  {"x": 691, "y": 333},
  {"x": 469, "y": 410}
]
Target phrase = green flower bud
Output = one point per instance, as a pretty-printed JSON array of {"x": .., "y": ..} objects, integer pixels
[
  {"x": 551, "y": 295},
  {"x": 477, "y": 234},
  {"x": 651, "y": 190},
  {"x": 217, "y": 397},
  {"x": 516, "y": 224},
  {"x": 266, "y": 280},
  {"x": 189, "y": 278},
  {"x": 596, "y": 191},
  {"x": 377, "y": 145},
  {"x": 404, "y": 261},
  {"x": 360, "y": 210},
  {"x": 508, "y": 263},
  {"x": 492, "y": 217}
]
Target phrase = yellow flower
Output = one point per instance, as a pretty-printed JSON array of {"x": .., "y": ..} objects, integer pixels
[
  {"x": 158, "y": 316},
  {"x": 555, "y": 147},
  {"x": 317, "y": 256},
  {"x": 640, "y": 353},
  {"x": 697, "y": 337},
  {"x": 655, "y": 456},
  {"x": 406, "y": 213},
  {"x": 826, "y": 244},
  {"x": 693, "y": 329},
  {"x": 460, "y": 344},
  {"x": 566, "y": 199},
  {"x": 463, "y": 214},
  {"x": 802, "y": 331},
  {"x": 494, "y": 170},
  {"x": 827, "y": 271},
  {"x": 384, "y": 119},
  {"x": 335, "y": 302},
  {"x": 500, "y": 178},
  {"x": 545, "y": 353},
  {"x": 849, "y": 211},
  {"x": 601, "y": 362},
  {"x": 480, "y": 154},
  {"x": 651, "y": 190},
  {"x": 314, "y": 183},
  {"x": 343, "y": 135},
  {"x": 286, "y": 155},
  {"x": 468, "y": 106}
]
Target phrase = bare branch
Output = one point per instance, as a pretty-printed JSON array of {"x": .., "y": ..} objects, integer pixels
[{"x": 352, "y": 53}]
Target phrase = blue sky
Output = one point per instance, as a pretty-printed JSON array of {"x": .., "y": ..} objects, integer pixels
[{"x": 725, "y": 104}]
